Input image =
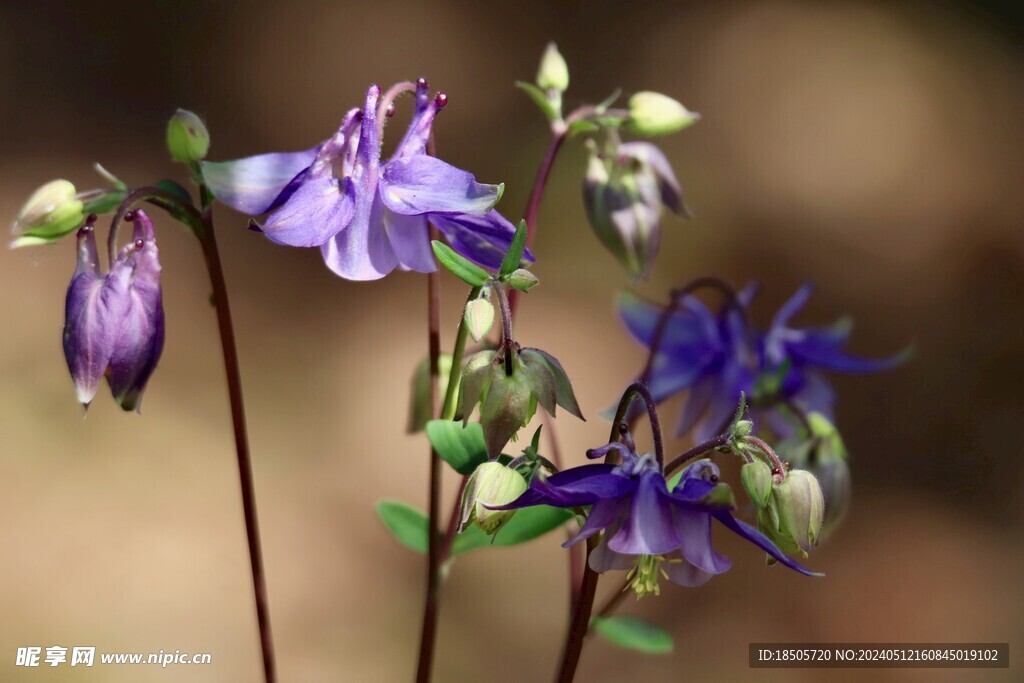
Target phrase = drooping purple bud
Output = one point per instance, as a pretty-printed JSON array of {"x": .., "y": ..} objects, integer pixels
[
  {"x": 92, "y": 311},
  {"x": 140, "y": 338},
  {"x": 113, "y": 324}
]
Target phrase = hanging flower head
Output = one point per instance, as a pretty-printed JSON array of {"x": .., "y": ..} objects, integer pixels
[
  {"x": 718, "y": 357},
  {"x": 368, "y": 216},
  {"x": 114, "y": 323},
  {"x": 648, "y": 529}
]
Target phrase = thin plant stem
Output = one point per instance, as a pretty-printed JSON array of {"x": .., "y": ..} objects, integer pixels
[
  {"x": 579, "y": 623},
  {"x": 438, "y": 546},
  {"x": 245, "y": 473},
  {"x": 536, "y": 197},
  {"x": 202, "y": 226},
  {"x": 428, "y": 632}
]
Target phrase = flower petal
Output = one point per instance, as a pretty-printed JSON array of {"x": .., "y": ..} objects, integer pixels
[
  {"x": 362, "y": 250},
  {"x": 423, "y": 184},
  {"x": 683, "y": 573},
  {"x": 603, "y": 514},
  {"x": 603, "y": 559},
  {"x": 649, "y": 529},
  {"x": 483, "y": 239},
  {"x": 668, "y": 185},
  {"x": 410, "y": 239},
  {"x": 583, "y": 485},
  {"x": 694, "y": 531},
  {"x": 318, "y": 210},
  {"x": 256, "y": 184},
  {"x": 748, "y": 532},
  {"x": 418, "y": 133}
]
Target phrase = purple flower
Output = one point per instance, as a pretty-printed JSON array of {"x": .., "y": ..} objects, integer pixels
[
  {"x": 716, "y": 357},
  {"x": 367, "y": 216},
  {"x": 647, "y": 527},
  {"x": 114, "y": 323}
]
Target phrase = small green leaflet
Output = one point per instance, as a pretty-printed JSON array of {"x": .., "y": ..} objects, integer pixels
[
  {"x": 460, "y": 267},
  {"x": 515, "y": 251},
  {"x": 461, "y": 447},
  {"x": 634, "y": 634},
  {"x": 407, "y": 524},
  {"x": 539, "y": 98}
]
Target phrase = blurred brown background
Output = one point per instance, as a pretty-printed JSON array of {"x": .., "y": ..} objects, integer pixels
[{"x": 874, "y": 148}]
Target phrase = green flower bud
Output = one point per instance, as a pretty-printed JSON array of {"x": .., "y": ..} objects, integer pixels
[
  {"x": 522, "y": 279},
  {"x": 52, "y": 212},
  {"x": 478, "y": 317},
  {"x": 825, "y": 456},
  {"x": 757, "y": 482},
  {"x": 742, "y": 428},
  {"x": 491, "y": 484},
  {"x": 652, "y": 113},
  {"x": 799, "y": 506},
  {"x": 553, "y": 72},
  {"x": 509, "y": 405},
  {"x": 187, "y": 137}
]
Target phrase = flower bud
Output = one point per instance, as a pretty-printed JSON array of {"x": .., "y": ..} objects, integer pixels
[
  {"x": 509, "y": 406},
  {"x": 742, "y": 428},
  {"x": 624, "y": 192},
  {"x": 52, "y": 212},
  {"x": 799, "y": 506},
  {"x": 824, "y": 455},
  {"x": 491, "y": 484},
  {"x": 652, "y": 113},
  {"x": 478, "y": 317},
  {"x": 756, "y": 477},
  {"x": 114, "y": 324},
  {"x": 522, "y": 279},
  {"x": 553, "y": 72},
  {"x": 187, "y": 137}
]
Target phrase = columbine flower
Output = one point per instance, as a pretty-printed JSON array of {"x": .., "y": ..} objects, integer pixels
[
  {"x": 624, "y": 191},
  {"x": 114, "y": 323},
  {"x": 718, "y": 357},
  {"x": 648, "y": 529},
  {"x": 367, "y": 216}
]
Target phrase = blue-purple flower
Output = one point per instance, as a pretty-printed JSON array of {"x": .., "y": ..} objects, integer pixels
[
  {"x": 718, "y": 357},
  {"x": 647, "y": 528},
  {"x": 114, "y": 323},
  {"x": 368, "y": 216}
]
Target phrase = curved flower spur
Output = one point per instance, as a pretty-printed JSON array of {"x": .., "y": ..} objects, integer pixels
[
  {"x": 367, "y": 216},
  {"x": 114, "y": 323}
]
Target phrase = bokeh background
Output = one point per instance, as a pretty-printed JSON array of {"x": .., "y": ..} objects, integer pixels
[{"x": 874, "y": 148}]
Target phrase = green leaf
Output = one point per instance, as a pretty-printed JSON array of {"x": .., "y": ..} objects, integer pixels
[
  {"x": 407, "y": 524},
  {"x": 539, "y": 98},
  {"x": 514, "y": 255},
  {"x": 634, "y": 634},
  {"x": 525, "y": 525},
  {"x": 461, "y": 447},
  {"x": 582, "y": 126},
  {"x": 460, "y": 267},
  {"x": 173, "y": 188}
]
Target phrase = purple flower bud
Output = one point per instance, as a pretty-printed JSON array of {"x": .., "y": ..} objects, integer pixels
[
  {"x": 624, "y": 192},
  {"x": 114, "y": 323}
]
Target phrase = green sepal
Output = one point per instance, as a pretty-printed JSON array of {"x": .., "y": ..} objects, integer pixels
[
  {"x": 459, "y": 266},
  {"x": 514, "y": 255}
]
